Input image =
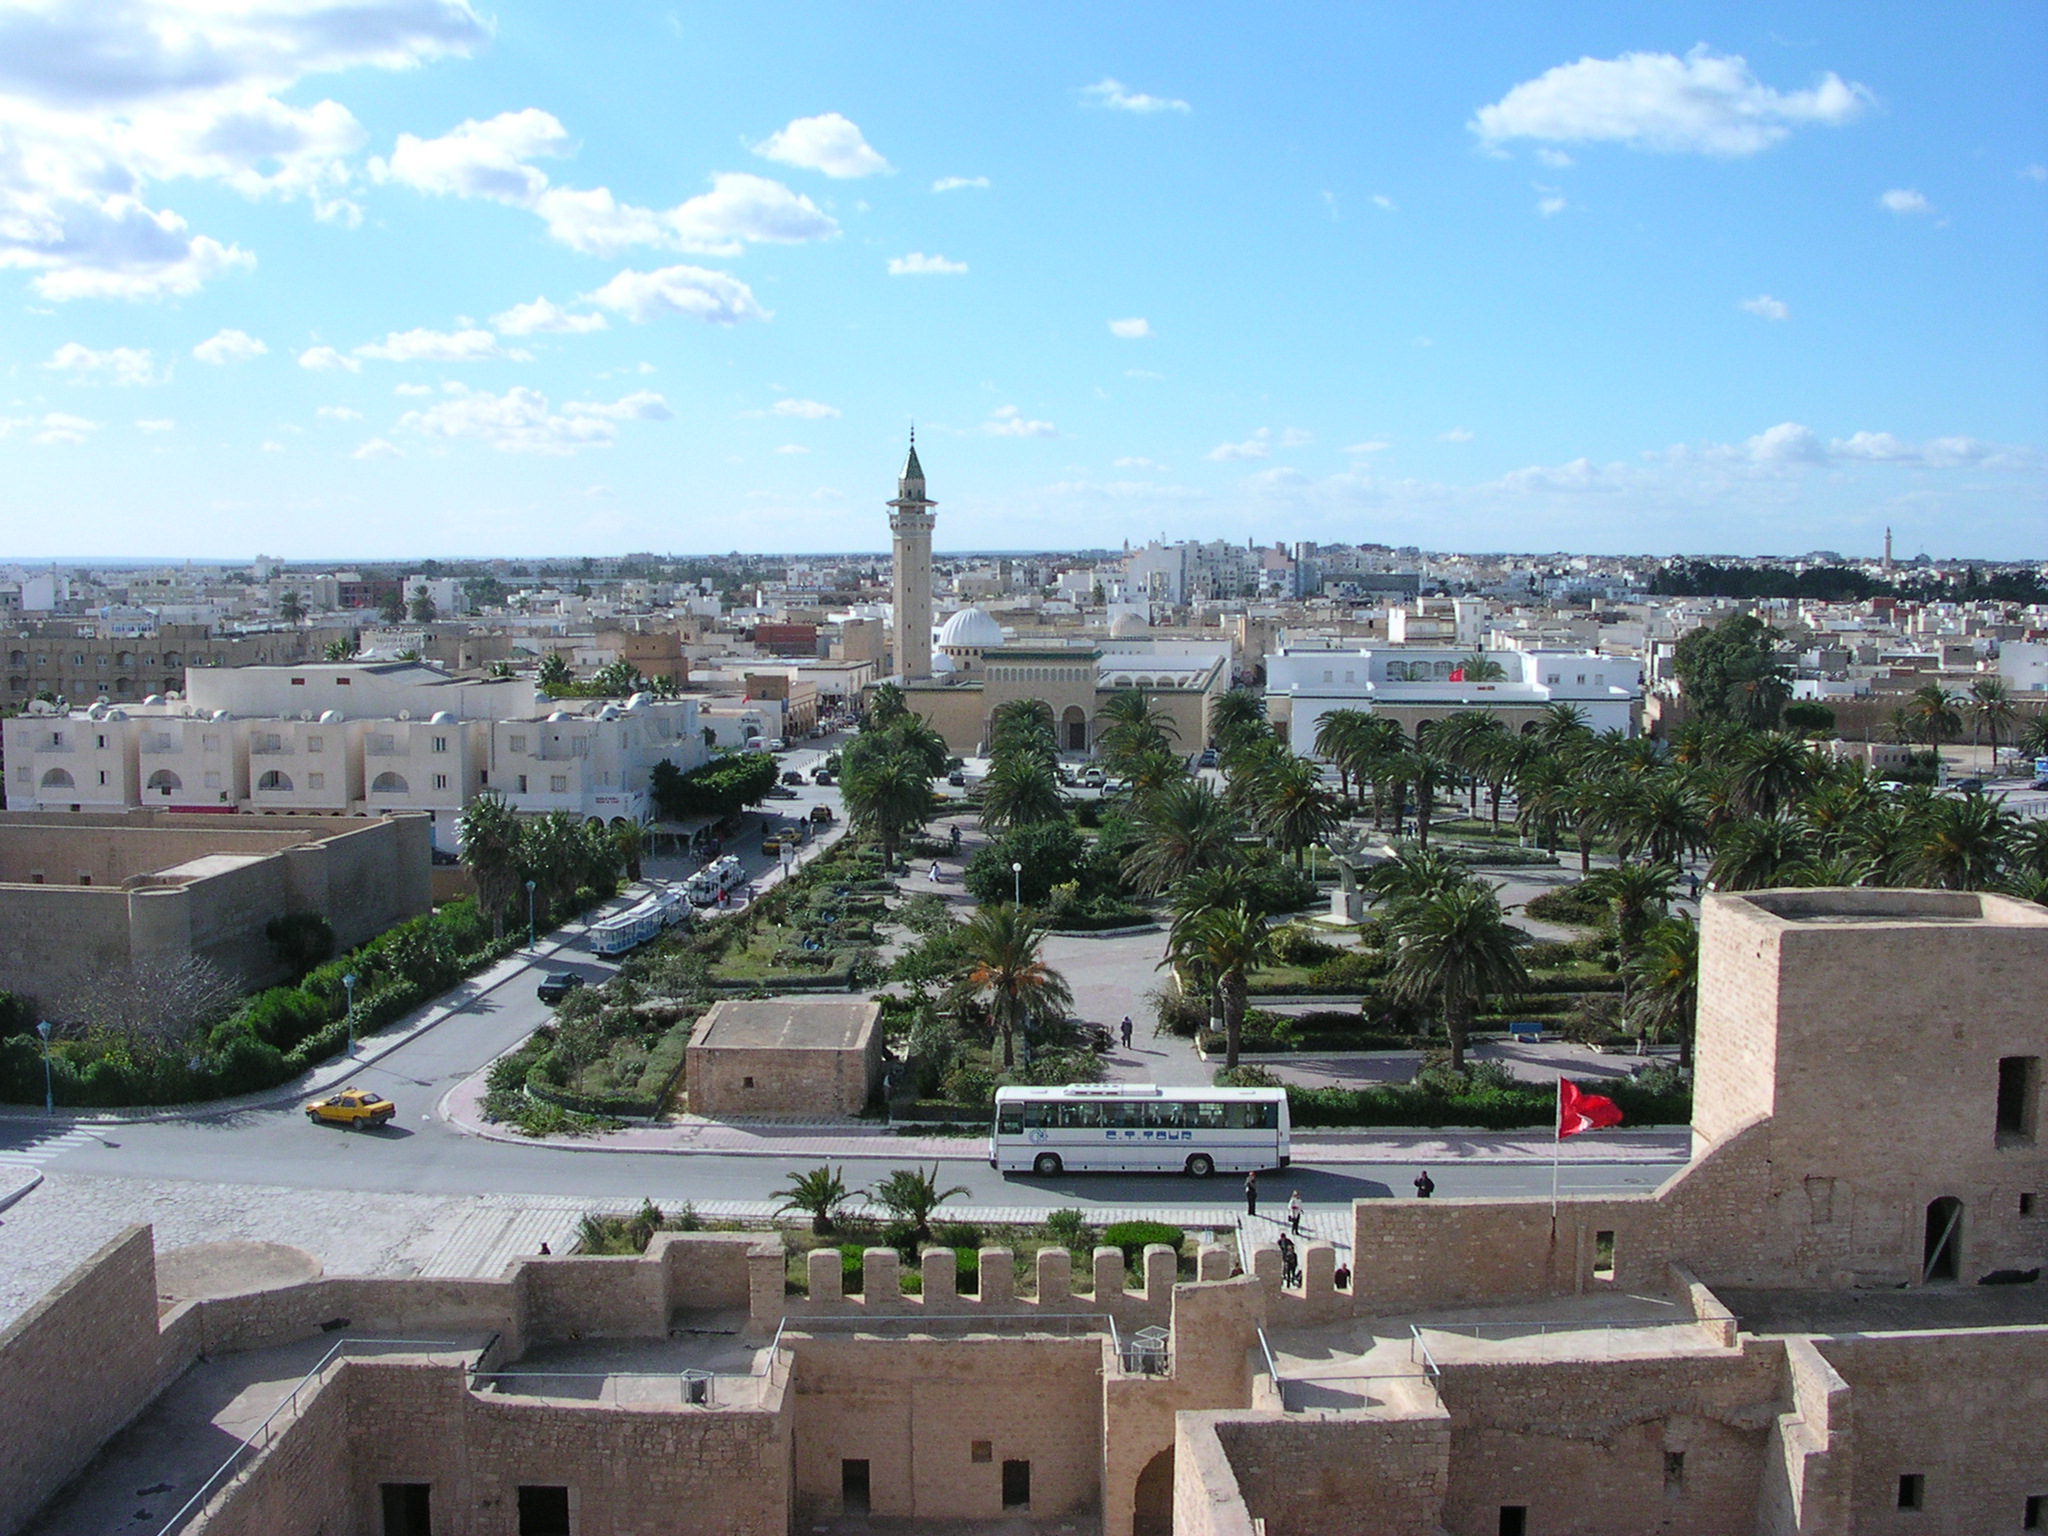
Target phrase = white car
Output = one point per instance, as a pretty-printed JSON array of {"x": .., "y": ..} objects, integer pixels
[{"x": 777, "y": 744}]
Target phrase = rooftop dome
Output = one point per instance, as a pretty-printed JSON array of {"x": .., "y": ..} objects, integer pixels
[
  {"x": 442, "y": 717},
  {"x": 970, "y": 630},
  {"x": 1125, "y": 624}
]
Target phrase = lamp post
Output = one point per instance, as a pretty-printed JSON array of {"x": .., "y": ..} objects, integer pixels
[
  {"x": 348, "y": 983},
  {"x": 1017, "y": 884},
  {"x": 529, "y": 913},
  {"x": 49, "y": 1093}
]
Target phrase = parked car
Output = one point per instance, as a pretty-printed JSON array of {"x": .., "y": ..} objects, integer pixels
[
  {"x": 1094, "y": 778},
  {"x": 1971, "y": 786},
  {"x": 2039, "y": 784},
  {"x": 780, "y": 792},
  {"x": 822, "y": 776},
  {"x": 777, "y": 744},
  {"x": 1890, "y": 786},
  {"x": 351, "y": 1109},
  {"x": 792, "y": 777},
  {"x": 821, "y": 815},
  {"x": 771, "y": 842},
  {"x": 557, "y": 985},
  {"x": 957, "y": 778}
]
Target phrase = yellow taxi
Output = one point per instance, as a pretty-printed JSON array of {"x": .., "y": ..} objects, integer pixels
[{"x": 351, "y": 1109}]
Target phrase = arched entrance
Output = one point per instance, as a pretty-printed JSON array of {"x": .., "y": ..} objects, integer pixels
[
  {"x": 1942, "y": 1257},
  {"x": 1152, "y": 1507},
  {"x": 1074, "y": 726},
  {"x": 163, "y": 782}
]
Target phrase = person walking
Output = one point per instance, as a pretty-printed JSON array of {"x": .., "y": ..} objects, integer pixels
[
  {"x": 1251, "y": 1193},
  {"x": 935, "y": 872},
  {"x": 1294, "y": 1214},
  {"x": 1290, "y": 1261},
  {"x": 1126, "y": 1027},
  {"x": 1425, "y": 1186}
]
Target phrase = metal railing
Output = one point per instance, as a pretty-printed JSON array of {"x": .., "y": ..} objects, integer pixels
[
  {"x": 265, "y": 1434},
  {"x": 694, "y": 1388}
]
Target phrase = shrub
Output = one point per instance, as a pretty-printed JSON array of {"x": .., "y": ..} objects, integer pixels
[
  {"x": 1351, "y": 971},
  {"x": 1179, "y": 1013},
  {"x": 1247, "y": 1077},
  {"x": 1135, "y": 1236},
  {"x": 1296, "y": 945},
  {"x": 1572, "y": 905},
  {"x": 1066, "y": 1227},
  {"x": 958, "y": 1234}
]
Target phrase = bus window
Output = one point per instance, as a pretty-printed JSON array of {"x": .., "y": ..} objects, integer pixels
[
  {"x": 1261, "y": 1117},
  {"x": 1207, "y": 1117},
  {"x": 1080, "y": 1117},
  {"x": 1011, "y": 1121},
  {"x": 1040, "y": 1114},
  {"x": 1233, "y": 1115},
  {"x": 1163, "y": 1116}
]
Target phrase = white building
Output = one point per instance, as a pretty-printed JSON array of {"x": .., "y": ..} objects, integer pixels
[{"x": 1417, "y": 685}]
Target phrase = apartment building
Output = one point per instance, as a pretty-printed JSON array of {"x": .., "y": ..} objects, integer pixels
[{"x": 595, "y": 764}]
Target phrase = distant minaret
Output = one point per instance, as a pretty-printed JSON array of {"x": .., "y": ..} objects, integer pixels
[
  {"x": 910, "y": 521},
  {"x": 1887, "y": 551}
]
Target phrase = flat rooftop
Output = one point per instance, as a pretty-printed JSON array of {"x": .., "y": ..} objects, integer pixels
[
  {"x": 788, "y": 1024},
  {"x": 1916, "y": 1309},
  {"x": 1915, "y": 908}
]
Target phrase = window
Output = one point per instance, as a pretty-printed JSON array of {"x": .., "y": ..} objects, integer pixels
[
  {"x": 515, "y": 744},
  {"x": 100, "y": 742},
  {"x": 2026, "y": 1205},
  {"x": 522, "y": 784},
  {"x": 1016, "y": 1485},
  {"x": 408, "y": 1509},
  {"x": 1912, "y": 1490},
  {"x": 316, "y": 743},
  {"x": 56, "y": 738},
  {"x": 343, "y": 682},
  {"x": 2018, "y": 1086},
  {"x": 543, "y": 1512},
  {"x": 1514, "y": 1520},
  {"x": 746, "y": 1082},
  {"x": 558, "y": 783},
  {"x": 1674, "y": 1470},
  {"x": 1603, "y": 1256},
  {"x": 316, "y": 781},
  {"x": 298, "y": 682},
  {"x": 209, "y": 743},
  {"x": 440, "y": 781},
  {"x": 981, "y": 1450},
  {"x": 103, "y": 776},
  {"x": 440, "y": 743}
]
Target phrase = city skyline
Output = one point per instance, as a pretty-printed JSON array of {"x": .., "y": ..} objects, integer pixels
[{"x": 1583, "y": 281}]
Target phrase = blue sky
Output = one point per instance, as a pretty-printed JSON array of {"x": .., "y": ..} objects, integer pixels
[{"x": 406, "y": 277}]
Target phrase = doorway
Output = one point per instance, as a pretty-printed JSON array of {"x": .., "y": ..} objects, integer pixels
[
  {"x": 1942, "y": 1257},
  {"x": 1152, "y": 1509},
  {"x": 1016, "y": 1485},
  {"x": 853, "y": 1486},
  {"x": 1076, "y": 723}
]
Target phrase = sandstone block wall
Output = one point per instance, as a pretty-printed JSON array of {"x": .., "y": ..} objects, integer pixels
[{"x": 1350, "y": 1477}]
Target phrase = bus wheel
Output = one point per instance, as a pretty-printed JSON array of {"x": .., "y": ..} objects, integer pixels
[
  {"x": 1046, "y": 1165},
  {"x": 1201, "y": 1166}
]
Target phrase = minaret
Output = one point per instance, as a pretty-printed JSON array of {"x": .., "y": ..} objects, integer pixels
[
  {"x": 910, "y": 522},
  {"x": 1887, "y": 551}
]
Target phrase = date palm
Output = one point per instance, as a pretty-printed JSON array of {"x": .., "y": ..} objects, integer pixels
[
  {"x": 1758, "y": 852},
  {"x": 1636, "y": 895},
  {"x": 1410, "y": 875},
  {"x": 1992, "y": 711},
  {"x": 1935, "y": 714},
  {"x": 1234, "y": 717},
  {"x": 1666, "y": 818},
  {"x": 1772, "y": 770},
  {"x": 488, "y": 833},
  {"x": 819, "y": 1194},
  {"x": 1455, "y": 946},
  {"x": 1664, "y": 984},
  {"x": 1959, "y": 843},
  {"x": 1223, "y": 945},
  {"x": 1183, "y": 828},
  {"x": 887, "y": 796},
  {"x": 1342, "y": 740},
  {"x": 1021, "y": 790},
  {"x": 1004, "y": 967},
  {"x": 911, "y": 1194},
  {"x": 1294, "y": 810}
]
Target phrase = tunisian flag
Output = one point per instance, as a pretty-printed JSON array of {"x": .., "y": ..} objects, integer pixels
[{"x": 1578, "y": 1111}]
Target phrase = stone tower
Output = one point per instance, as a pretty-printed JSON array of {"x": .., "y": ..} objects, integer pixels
[{"x": 910, "y": 523}]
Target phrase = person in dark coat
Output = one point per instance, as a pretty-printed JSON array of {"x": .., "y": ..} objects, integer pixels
[
  {"x": 1251, "y": 1193},
  {"x": 1425, "y": 1186}
]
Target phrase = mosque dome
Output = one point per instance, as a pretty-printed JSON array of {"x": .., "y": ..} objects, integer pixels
[
  {"x": 1125, "y": 625},
  {"x": 970, "y": 630}
]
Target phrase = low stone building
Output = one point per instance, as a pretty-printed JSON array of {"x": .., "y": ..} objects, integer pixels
[
  {"x": 98, "y": 893},
  {"x": 785, "y": 1056}
]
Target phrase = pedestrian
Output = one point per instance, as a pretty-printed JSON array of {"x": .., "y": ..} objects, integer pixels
[
  {"x": 954, "y": 832},
  {"x": 1126, "y": 1027},
  {"x": 1342, "y": 1277},
  {"x": 546, "y": 1251},
  {"x": 1294, "y": 1214},
  {"x": 1425, "y": 1186},
  {"x": 1251, "y": 1193},
  {"x": 1290, "y": 1261},
  {"x": 935, "y": 872}
]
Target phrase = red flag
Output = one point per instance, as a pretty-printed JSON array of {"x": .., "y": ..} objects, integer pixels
[
  {"x": 1457, "y": 675},
  {"x": 1578, "y": 1111}
]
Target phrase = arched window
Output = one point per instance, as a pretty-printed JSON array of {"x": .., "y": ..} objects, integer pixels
[
  {"x": 170, "y": 658},
  {"x": 275, "y": 780},
  {"x": 163, "y": 781},
  {"x": 17, "y": 658},
  {"x": 125, "y": 659},
  {"x": 57, "y": 778},
  {"x": 124, "y": 685},
  {"x": 390, "y": 784}
]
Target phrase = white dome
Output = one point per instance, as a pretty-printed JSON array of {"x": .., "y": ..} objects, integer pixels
[
  {"x": 943, "y": 665},
  {"x": 1125, "y": 624},
  {"x": 442, "y": 717},
  {"x": 970, "y": 630}
]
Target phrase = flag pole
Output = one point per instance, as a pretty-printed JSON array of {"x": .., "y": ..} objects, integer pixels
[{"x": 1556, "y": 1151}]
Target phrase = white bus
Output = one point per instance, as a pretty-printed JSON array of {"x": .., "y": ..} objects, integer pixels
[{"x": 1138, "y": 1127}]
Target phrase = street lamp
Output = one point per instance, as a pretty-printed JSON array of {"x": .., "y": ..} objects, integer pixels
[
  {"x": 1017, "y": 884},
  {"x": 529, "y": 914},
  {"x": 348, "y": 983},
  {"x": 49, "y": 1094}
]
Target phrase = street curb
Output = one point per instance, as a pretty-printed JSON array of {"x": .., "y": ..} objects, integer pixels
[{"x": 33, "y": 1181}]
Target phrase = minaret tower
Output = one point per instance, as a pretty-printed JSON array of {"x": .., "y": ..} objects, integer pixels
[
  {"x": 1887, "y": 551},
  {"x": 910, "y": 523}
]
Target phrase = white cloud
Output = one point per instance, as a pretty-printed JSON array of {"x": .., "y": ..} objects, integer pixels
[
  {"x": 98, "y": 101},
  {"x": 1765, "y": 307},
  {"x": 1008, "y": 421},
  {"x": 61, "y": 430},
  {"x": 327, "y": 360},
  {"x": 270, "y": 447},
  {"x": 1381, "y": 200},
  {"x": 1134, "y": 329},
  {"x": 2034, "y": 172},
  {"x": 423, "y": 346},
  {"x": 1258, "y": 446},
  {"x": 1455, "y": 435},
  {"x": 1373, "y": 445},
  {"x": 1108, "y": 92},
  {"x": 792, "y": 448},
  {"x": 521, "y": 420},
  {"x": 1551, "y": 204},
  {"x": 917, "y": 264},
  {"x": 1557, "y": 159},
  {"x": 807, "y": 410},
  {"x": 1142, "y": 373},
  {"x": 229, "y": 347},
  {"x": 119, "y": 365},
  {"x": 491, "y": 160},
  {"x": 1903, "y": 200},
  {"x": 960, "y": 184},
  {"x": 378, "y": 448},
  {"x": 411, "y": 389},
  {"x": 1295, "y": 437},
  {"x": 156, "y": 424},
  {"x": 543, "y": 316},
  {"x": 713, "y": 297},
  {"x": 1141, "y": 462},
  {"x": 338, "y": 413},
  {"x": 1705, "y": 103},
  {"x": 1786, "y": 443},
  {"x": 828, "y": 143}
]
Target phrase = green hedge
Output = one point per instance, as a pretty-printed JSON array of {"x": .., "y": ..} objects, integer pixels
[
  {"x": 1494, "y": 1109},
  {"x": 1135, "y": 1236}
]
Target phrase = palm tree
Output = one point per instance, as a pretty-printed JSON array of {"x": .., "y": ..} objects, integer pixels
[
  {"x": 1341, "y": 740},
  {"x": 292, "y": 608},
  {"x": 489, "y": 835},
  {"x": 887, "y": 796},
  {"x": 1666, "y": 819},
  {"x": 1295, "y": 809},
  {"x": 1992, "y": 710},
  {"x": 1223, "y": 945},
  {"x": 340, "y": 650},
  {"x": 1543, "y": 796},
  {"x": 1134, "y": 728},
  {"x": 1935, "y": 714},
  {"x": 1636, "y": 895},
  {"x": 1235, "y": 716},
  {"x": 911, "y": 1194},
  {"x": 1771, "y": 771},
  {"x": 1004, "y": 966},
  {"x": 2033, "y": 735},
  {"x": 1758, "y": 852},
  {"x": 1021, "y": 790},
  {"x": 884, "y": 705},
  {"x": 1457, "y": 947},
  {"x": 631, "y": 840},
  {"x": 1664, "y": 982},
  {"x": 1478, "y": 667},
  {"x": 1463, "y": 739},
  {"x": 1562, "y": 726},
  {"x": 1410, "y": 875},
  {"x": 1183, "y": 828},
  {"x": 553, "y": 673},
  {"x": 1151, "y": 770},
  {"x": 1022, "y": 726},
  {"x": 1959, "y": 843},
  {"x": 819, "y": 1194}
]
